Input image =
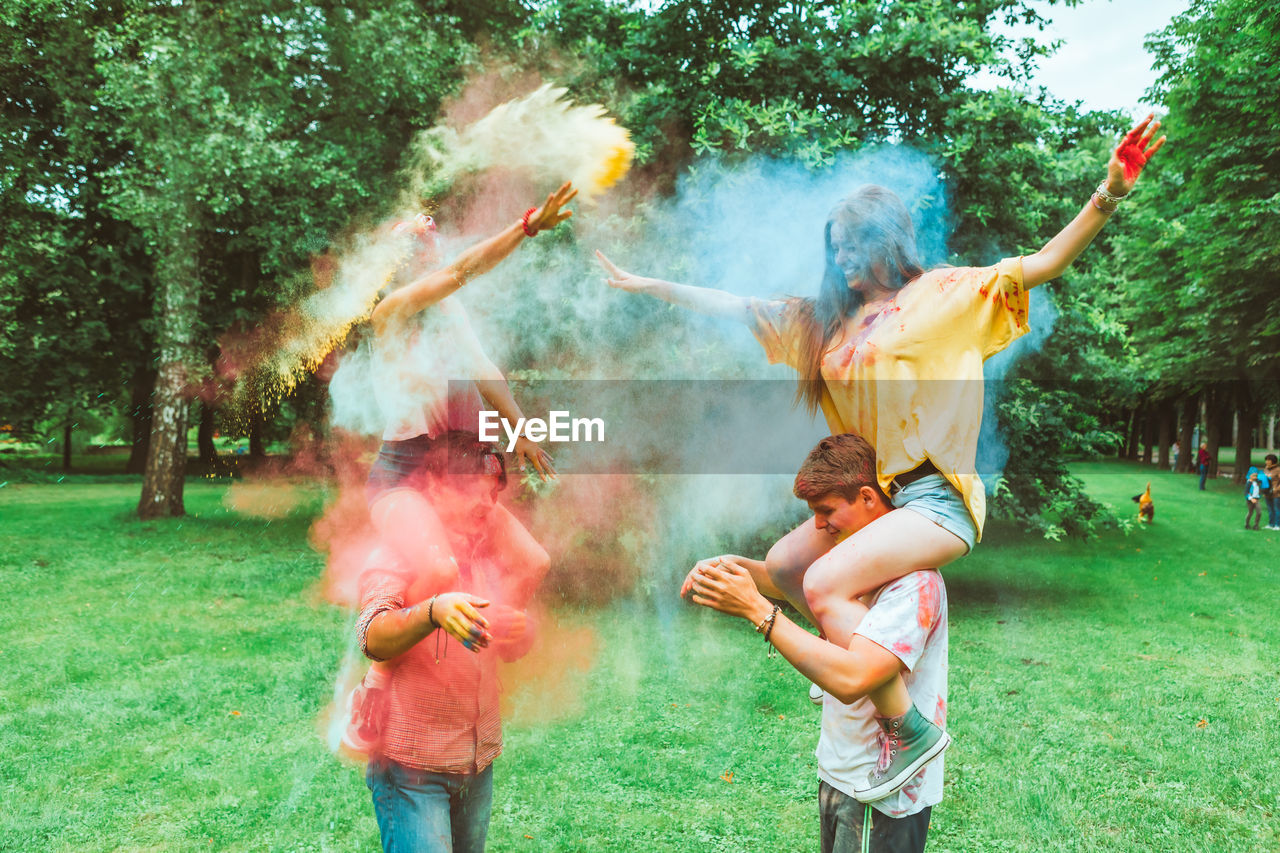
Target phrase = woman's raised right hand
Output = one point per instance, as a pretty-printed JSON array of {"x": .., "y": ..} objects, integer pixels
[
  {"x": 458, "y": 614},
  {"x": 620, "y": 278}
]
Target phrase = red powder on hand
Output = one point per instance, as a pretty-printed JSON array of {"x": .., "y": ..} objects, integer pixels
[
  {"x": 1132, "y": 157},
  {"x": 1133, "y": 151}
]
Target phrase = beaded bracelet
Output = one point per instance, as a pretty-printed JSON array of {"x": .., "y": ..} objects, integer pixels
[
  {"x": 524, "y": 223},
  {"x": 768, "y": 621}
]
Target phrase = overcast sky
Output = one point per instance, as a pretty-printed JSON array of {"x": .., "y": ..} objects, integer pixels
[{"x": 1102, "y": 61}]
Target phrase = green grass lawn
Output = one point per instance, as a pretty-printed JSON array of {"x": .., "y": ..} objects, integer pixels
[{"x": 162, "y": 683}]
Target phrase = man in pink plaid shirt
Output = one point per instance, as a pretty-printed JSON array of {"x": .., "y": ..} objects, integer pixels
[{"x": 436, "y": 716}]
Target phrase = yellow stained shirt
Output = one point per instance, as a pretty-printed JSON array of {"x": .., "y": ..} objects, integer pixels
[{"x": 910, "y": 381}]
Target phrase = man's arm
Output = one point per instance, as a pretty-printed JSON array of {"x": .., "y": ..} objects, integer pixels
[
  {"x": 755, "y": 568},
  {"x": 393, "y": 632},
  {"x": 847, "y": 674}
]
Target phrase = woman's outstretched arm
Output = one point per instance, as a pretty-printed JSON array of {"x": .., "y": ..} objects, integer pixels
[
  {"x": 704, "y": 300},
  {"x": 1123, "y": 169},
  {"x": 435, "y": 285}
]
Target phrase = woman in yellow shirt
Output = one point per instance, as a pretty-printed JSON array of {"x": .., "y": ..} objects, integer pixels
[{"x": 894, "y": 353}]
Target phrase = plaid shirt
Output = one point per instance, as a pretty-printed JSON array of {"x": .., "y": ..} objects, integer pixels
[{"x": 443, "y": 713}]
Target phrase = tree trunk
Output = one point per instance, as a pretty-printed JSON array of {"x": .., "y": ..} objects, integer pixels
[
  {"x": 140, "y": 391},
  {"x": 66, "y": 443},
  {"x": 204, "y": 438},
  {"x": 178, "y": 295},
  {"x": 167, "y": 454},
  {"x": 256, "y": 448},
  {"x": 1149, "y": 413},
  {"x": 1213, "y": 425},
  {"x": 1186, "y": 434},
  {"x": 1246, "y": 422},
  {"x": 1135, "y": 430},
  {"x": 1168, "y": 416}
]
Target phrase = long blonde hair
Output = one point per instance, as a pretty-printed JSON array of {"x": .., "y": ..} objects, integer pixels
[{"x": 878, "y": 224}]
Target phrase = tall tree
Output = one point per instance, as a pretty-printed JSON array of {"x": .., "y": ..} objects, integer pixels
[
  {"x": 1199, "y": 267},
  {"x": 256, "y": 129},
  {"x": 74, "y": 281}
]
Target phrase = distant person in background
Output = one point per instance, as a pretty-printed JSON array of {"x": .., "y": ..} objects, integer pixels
[
  {"x": 1252, "y": 497},
  {"x": 1176, "y": 452},
  {"x": 1202, "y": 460},
  {"x": 1272, "y": 469}
]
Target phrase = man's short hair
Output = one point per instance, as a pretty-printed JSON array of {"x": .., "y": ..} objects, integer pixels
[
  {"x": 839, "y": 465},
  {"x": 463, "y": 453}
]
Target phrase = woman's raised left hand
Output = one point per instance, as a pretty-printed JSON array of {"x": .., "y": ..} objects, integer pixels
[
  {"x": 529, "y": 452},
  {"x": 550, "y": 215},
  {"x": 1131, "y": 156}
]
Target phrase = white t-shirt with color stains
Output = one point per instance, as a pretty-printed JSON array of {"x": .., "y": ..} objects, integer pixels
[{"x": 909, "y": 618}]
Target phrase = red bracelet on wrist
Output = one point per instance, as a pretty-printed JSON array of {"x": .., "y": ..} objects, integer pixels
[{"x": 524, "y": 223}]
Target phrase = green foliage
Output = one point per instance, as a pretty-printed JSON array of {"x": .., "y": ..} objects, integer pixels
[
  {"x": 1044, "y": 428},
  {"x": 212, "y": 148},
  {"x": 74, "y": 282},
  {"x": 260, "y": 130},
  {"x": 1201, "y": 271},
  {"x": 802, "y": 79}
]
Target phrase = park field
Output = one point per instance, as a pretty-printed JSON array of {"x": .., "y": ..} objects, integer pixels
[{"x": 163, "y": 686}]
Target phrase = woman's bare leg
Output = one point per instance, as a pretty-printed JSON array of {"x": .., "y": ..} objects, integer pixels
[
  {"x": 521, "y": 560},
  {"x": 789, "y": 559},
  {"x": 407, "y": 522},
  {"x": 794, "y": 557},
  {"x": 893, "y": 545},
  {"x": 891, "y": 698}
]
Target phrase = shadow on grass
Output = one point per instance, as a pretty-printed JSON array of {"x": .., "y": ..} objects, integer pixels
[{"x": 967, "y": 590}]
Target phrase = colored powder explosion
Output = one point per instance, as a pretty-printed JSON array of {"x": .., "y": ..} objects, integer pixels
[
  {"x": 542, "y": 136},
  {"x": 545, "y": 309}
]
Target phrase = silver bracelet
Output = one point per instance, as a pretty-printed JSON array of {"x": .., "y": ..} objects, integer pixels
[
  {"x": 1108, "y": 197},
  {"x": 1105, "y": 211}
]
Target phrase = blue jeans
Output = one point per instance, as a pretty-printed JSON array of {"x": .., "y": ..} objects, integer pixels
[
  {"x": 1273, "y": 510},
  {"x": 419, "y": 811},
  {"x": 1204, "y": 475}
]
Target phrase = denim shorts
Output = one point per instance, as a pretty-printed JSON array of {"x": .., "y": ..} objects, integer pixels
[
  {"x": 406, "y": 464},
  {"x": 937, "y": 500},
  {"x": 400, "y": 465}
]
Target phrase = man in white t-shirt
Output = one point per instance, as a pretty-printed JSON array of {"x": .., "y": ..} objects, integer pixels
[{"x": 902, "y": 633}]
